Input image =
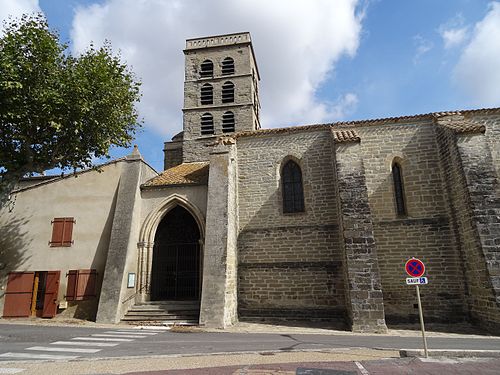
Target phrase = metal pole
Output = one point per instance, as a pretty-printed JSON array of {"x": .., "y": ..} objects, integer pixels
[{"x": 421, "y": 315}]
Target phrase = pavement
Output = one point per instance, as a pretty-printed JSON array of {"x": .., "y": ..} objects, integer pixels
[{"x": 305, "y": 362}]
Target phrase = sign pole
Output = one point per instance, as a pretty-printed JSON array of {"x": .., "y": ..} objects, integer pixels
[{"x": 421, "y": 315}]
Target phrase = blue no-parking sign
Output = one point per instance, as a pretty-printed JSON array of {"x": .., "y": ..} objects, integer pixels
[{"x": 415, "y": 267}]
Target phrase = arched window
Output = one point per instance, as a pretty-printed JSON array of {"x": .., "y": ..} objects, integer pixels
[
  {"x": 207, "y": 69},
  {"x": 207, "y": 94},
  {"x": 228, "y": 122},
  {"x": 292, "y": 190},
  {"x": 397, "y": 177},
  {"x": 227, "y": 66},
  {"x": 228, "y": 92},
  {"x": 207, "y": 124}
]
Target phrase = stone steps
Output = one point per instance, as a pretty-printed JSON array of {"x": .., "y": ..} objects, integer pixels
[{"x": 164, "y": 312}]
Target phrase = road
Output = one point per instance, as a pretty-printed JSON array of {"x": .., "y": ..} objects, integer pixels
[{"x": 25, "y": 342}]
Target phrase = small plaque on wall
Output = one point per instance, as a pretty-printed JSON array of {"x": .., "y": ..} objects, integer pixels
[{"x": 131, "y": 280}]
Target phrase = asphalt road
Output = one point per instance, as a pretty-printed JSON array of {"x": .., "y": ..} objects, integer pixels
[{"x": 25, "y": 342}]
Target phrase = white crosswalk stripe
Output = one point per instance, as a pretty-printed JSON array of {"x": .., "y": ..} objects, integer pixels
[
  {"x": 11, "y": 370},
  {"x": 56, "y": 349},
  {"x": 114, "y": 335},
  {"x": 100, "y": 339},
  {"x": 133, "y": 333},
  {"x": 37, "y": 356},
  {"x": 83, "y": 343}
]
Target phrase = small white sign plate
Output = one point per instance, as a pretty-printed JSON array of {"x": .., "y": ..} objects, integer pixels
[{"x": 416, "y": 280}]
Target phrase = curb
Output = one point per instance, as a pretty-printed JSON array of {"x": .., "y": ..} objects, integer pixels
[{"x": 457, "y": 353}]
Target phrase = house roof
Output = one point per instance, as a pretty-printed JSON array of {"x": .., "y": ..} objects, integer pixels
[
  {"x": 183, "y": 174},
  {"x": 378, "y": 121}
]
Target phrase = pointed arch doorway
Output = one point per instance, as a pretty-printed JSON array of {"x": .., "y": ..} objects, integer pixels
[{"x": 176, "y": 266}]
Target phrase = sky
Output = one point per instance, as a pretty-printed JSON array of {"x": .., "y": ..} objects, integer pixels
[{"x": 320, "y": 61}]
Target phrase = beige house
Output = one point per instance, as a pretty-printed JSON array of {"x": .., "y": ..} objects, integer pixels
[{"x": 304, "y": 223}]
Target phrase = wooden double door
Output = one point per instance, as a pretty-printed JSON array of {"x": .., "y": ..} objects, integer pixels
[{"x": 32, "y": 293}]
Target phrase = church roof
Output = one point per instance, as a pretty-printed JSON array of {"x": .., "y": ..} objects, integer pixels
[{"x": 183, "y": 174}]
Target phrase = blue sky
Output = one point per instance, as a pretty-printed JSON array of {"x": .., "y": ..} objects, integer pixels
[{"x": 320, "y": 60}]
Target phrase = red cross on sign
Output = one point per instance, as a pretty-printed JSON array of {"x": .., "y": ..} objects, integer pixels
[{"x": 414, "y": 267}]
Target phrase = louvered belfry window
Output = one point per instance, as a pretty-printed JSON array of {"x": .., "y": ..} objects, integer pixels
[
  {"x": 207, "y": 94},
  {"x": 207, "y": 69},
  {"x": 62, "y": 232},
  {"x": 207, "y": 124},
  {"x": 228, "y": 92},
  {"x": 228, "y": 122},
  {"x": 292, "y": 188},
  {"x": 227, "y": 66}
]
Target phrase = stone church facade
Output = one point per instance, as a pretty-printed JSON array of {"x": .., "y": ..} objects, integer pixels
[{"x": 304, "y": 223}]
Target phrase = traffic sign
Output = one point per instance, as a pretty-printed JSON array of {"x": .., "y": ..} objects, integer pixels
[
  {"x": 414, "y": 267},
  {"x": 417, "y": 280}
]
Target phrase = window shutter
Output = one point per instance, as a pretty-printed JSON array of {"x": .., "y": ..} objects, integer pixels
[
  {"x": 57, "y": 232},
  {"x": 86, "y": 284},
  {"x": 71, "y": 286},
  {"x": 62, "y": 231},
  {"x": 68, "y": 231}
]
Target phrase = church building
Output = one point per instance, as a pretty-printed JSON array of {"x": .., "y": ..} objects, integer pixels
[{"x": 305, "y": 223}]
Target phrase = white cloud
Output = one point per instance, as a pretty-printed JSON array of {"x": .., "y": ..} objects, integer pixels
[
  {"x": 16, "y": 8},
  {"x": 477, "y": 72},
  {"x": 453, "y": 32},
  {"x": 422, "y": 47},
  {"x": 297, "y": 43},
  {"x": 453, "y": 37}
]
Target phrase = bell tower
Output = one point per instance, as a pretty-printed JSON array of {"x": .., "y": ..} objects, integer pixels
[{"x": 221, "y": 93}]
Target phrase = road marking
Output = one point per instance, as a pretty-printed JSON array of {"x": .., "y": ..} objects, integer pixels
[
  {"x": 361, "y": 368},
  {"x": 55, "y": 349},
  {"x": 11, "y": 370},
  {"x": 100, "y": 339},
  {"x": 132, "y": 333},
  {"x": 37, "y": 356},
  {"x": 83, "y": 343},
  {"x": 109, "y": 335}
]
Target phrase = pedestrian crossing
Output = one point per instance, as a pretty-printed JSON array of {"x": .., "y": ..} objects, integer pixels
[{"x": 75, "y": 347}]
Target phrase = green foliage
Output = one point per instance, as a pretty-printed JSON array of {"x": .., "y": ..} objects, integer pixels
[{"x": 58, "y": 110}]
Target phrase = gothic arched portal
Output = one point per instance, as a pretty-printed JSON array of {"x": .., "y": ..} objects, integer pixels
[{"x": 176, "y": 258}]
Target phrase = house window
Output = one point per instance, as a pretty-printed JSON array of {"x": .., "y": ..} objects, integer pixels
[
  {"x": 227, "y": 66},
  {"x": 81, "y": 285},
  {"x": 207, "y": 69},
  {"x": 292, "y": 189},
  {"x": 399, "y": 197},
  {"x": 62, "y": 231},
  {"x": 228, "y": 92},
  {"x": 228, "y": 122},
  {"x": 207, "y": 94},
  {"x": 207, "y": 124}
]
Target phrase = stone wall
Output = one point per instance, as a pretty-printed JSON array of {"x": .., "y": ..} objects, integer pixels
[
  {"x": 470, "y": 176},
  {"x": 425, "y": 232},
  {"x": 289, "y": 264}
]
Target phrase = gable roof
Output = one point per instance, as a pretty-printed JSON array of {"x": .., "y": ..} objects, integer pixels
[{"x": 184, "y": 174}]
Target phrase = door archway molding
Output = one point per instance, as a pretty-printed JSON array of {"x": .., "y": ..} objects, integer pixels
[{"x": 147, "y": 236}]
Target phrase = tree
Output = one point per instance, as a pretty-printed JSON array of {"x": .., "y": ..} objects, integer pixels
[{"x": 58, "y": 110}]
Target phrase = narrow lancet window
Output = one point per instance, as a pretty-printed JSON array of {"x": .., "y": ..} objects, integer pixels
[
  {"x": 292, "y": 189},
  {"x": 397, "y": 177}
]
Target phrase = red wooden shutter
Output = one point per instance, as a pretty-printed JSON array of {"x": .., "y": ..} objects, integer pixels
[
  {"x": 68, "y": 231},
  {"x": 57, "y": 232},
  {"x": 71, "y": 286},
  {"x": 17, "y": 302},
  {"x": 86, "y": 284},
  {"x": 51, "y": 291}
]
